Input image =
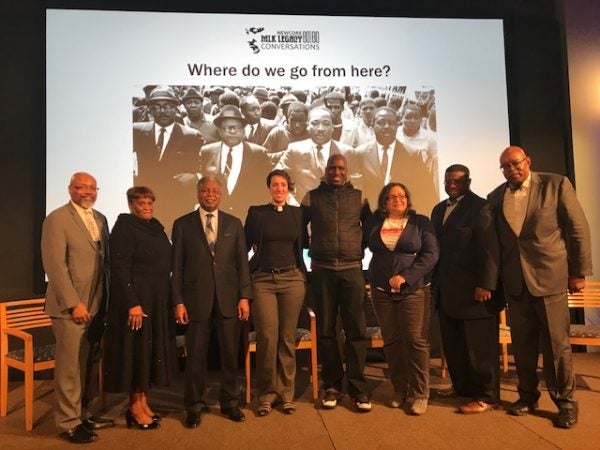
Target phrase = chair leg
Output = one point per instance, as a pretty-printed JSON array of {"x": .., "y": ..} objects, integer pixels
[
  {"x": 3, "y": 387},
  {"x": 505, "y": 358},
  {"x": 29, "y": 399},
  {"x": 248, "y": 375},
  {"x": 443, "y": 363},
  {"x": 313, "y": 370}
]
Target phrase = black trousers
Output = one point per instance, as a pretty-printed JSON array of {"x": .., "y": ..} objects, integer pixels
[
  {"x": 197, "y": 338},
  {"x": 471, "y": 349}
]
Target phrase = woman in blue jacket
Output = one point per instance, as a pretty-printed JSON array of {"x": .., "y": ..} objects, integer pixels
[{"x": 405, "y": 251}]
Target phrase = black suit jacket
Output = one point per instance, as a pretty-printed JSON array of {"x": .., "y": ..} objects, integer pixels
[
  {"x": 198, "y": 278},
  {"x": 469, "y": 258},
  {"x": 407, "y": 168},
  {"x": 173, "y": 198},
  {"x": 261, "y": 132},
  {"x": 250, "y": 188}
]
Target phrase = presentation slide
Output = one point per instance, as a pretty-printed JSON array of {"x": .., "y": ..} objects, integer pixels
[{"x": 115, "y": 79}]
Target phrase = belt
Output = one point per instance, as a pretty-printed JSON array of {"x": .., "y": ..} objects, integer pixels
[{"x": 285, "y": 269}]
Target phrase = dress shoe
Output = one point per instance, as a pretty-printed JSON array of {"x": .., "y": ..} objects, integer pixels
[
  {"x": 521, "y": 408},
  {"x": 193, "y": 419},
  {"x": 133, "y": 423},
  {"x": 566, "y": 418},
  {"x": 98, "y": 423},
  {"x": 446, "y": 392},
  {"x": 234, "y": 413},
  {"x": 79, "y": 435},
  {"x": 476, "y": 406},
  {"x": 156, "y": 418}
]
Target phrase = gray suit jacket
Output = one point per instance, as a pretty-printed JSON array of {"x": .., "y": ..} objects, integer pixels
[
  {"x": 77, "y": 269},
  {"x": 554, "y": 242}
]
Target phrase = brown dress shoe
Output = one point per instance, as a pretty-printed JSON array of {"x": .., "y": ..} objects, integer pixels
[
  {"x": 476, "y": 406},
  {"x": 446, "y": 392}
]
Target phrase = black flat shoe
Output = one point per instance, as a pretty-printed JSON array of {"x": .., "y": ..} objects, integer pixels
[
  {"x": 79, "y": 435},
  {"x": 98, "y": 423},
  {"x": 234, "y": 413},
  {"x": 132, "y": 423}
]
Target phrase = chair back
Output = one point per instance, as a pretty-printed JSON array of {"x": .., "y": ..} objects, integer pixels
[{"x": 24, "y": 314}]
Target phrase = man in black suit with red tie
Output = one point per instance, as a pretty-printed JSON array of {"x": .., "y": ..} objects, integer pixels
[
  {"x": 166, "y": 157},
  {"x": 240, "y": 166},
  {"x": 210, "y": 284},
  {"x": 464, "y": 278}
]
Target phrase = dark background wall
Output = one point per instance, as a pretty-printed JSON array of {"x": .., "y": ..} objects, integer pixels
[{"x": 536, "y": 74}]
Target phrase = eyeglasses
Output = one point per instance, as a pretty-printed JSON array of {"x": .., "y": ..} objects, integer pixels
[
  {"x": 232, "y": 128},
  {"x": 167, "y": 107},
  {"x": 510, "y": 164},
  {"x": 84, "y": 187},
  {"x": 396, "y": 197}
]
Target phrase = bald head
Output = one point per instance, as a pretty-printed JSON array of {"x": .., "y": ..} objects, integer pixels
[
  {"x": 515, "y": 165},
  {"x": 83, "y": 189}
]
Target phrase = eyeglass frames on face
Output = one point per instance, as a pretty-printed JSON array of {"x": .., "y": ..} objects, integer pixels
[{"x": 510, "y": 164}]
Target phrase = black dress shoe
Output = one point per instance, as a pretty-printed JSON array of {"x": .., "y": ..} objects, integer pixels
[
  {"x": 192, "y": 419},
  {"x": 566, "y": 418},
  {"x": 98, "y": 423},
  {"x": 234, "y": 413},
  {"x": 521, "y": 408},
  {"x": 133, "y": 423},
  {"x": 79, "y": 435}
]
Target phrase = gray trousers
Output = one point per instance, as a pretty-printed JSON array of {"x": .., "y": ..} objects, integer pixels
[
  {"x": 544, "y": 321},
  {"x": 277, "y": 302},
  {"x": 404, "y": 323},
  {"x": 75, "y": 374}
]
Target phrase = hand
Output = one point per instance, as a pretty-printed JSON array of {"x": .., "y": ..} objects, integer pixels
[
  {"x": 482, "y": 295},
  {"x": 243, "y": 309},
  {"x": 576, "y": 284},
  {"x": 136, "y": 317},
  {"x": 181, "y": 314},
  {"x": 80, "y": 314},
  {"x": 396, "y": 282}
]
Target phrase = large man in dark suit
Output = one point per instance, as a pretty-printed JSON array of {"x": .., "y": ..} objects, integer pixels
[
  {"x": 166, "y": 154},
  {"x": 545, "y": 250},
  {"x": 385, "y": 159},
  {"x": 240, "y": 166},
  {"x": 464, "y": 278},
  {"x": 75, "y": 258},
  {"x": 210, "y": 283},
  {"x": 306, "y": 160}
]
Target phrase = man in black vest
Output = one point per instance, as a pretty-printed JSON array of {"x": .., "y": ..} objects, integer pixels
[{"x": 335, "y": 211}]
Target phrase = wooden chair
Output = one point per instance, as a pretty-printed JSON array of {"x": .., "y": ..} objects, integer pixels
[
  {"x": 15, "y": 318},
  {"x": 305, "y": 340},
  {"x": 588, "y": 298}
]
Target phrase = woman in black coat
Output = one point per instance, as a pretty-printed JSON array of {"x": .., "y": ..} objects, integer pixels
[
  {"x": 139, "y": 342},
  {"x": 405, "y": 251}
]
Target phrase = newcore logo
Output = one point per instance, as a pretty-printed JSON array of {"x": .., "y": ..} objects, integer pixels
[{"x": 282, "y": 40}]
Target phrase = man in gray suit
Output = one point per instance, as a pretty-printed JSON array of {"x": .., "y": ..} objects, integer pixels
[
  {"x": 75, "y": 258},
  {"x": 545, "y": 250}
]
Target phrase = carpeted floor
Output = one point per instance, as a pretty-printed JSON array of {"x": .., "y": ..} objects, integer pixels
[{"x": 343, "y": 428}]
